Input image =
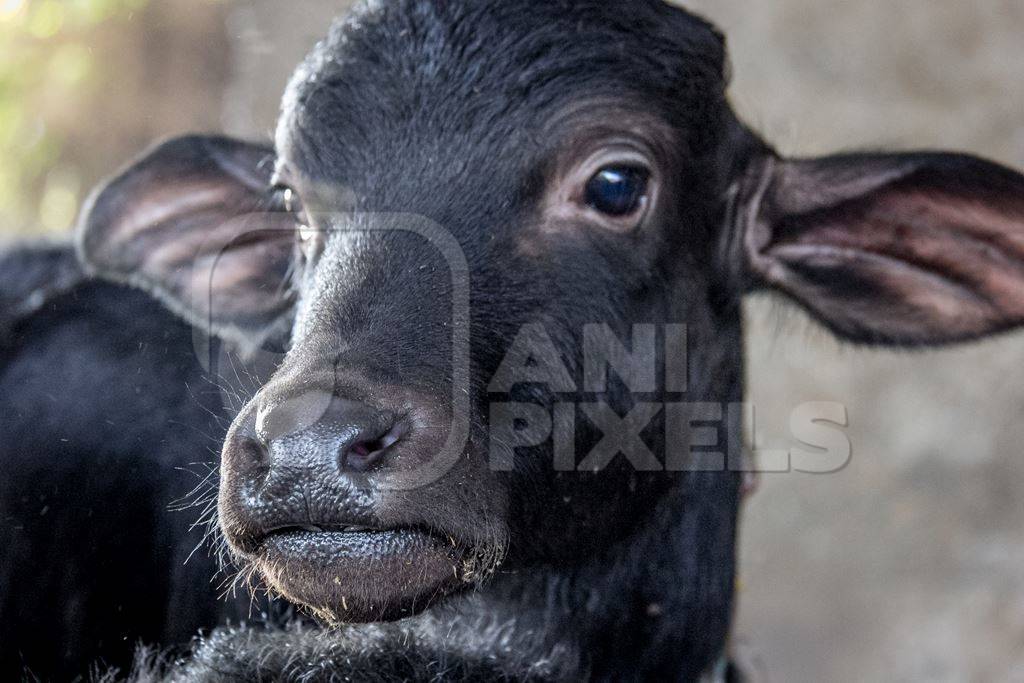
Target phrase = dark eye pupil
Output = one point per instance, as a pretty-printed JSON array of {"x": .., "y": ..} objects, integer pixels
[{"x": 617, "y": 191}]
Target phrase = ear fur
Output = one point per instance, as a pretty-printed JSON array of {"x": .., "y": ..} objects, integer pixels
[{"x": 904, "y": 249}]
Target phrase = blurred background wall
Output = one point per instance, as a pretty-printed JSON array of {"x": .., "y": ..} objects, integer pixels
[{"x": 906, "y": 565}]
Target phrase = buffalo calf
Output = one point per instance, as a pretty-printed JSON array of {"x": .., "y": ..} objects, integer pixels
[{"x": 471, "y": 211}]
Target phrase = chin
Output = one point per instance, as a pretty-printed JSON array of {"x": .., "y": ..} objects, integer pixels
[{"x": 364, "y": 575}]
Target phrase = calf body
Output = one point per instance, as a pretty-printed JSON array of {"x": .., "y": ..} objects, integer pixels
[
  {"x": 457, "y": 194},
  {"x": 107, "y": 419}
]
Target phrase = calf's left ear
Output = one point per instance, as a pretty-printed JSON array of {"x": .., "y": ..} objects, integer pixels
[{"x": 905, "y": 249}]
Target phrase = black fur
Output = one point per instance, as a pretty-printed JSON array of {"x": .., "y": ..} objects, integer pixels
[{"x": 107, "y": 420}]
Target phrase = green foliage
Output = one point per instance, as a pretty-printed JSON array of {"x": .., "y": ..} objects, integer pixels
[{"x": 45, "y": 66}]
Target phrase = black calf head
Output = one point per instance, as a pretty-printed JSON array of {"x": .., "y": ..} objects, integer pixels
[{"x": 457, "y": 191}]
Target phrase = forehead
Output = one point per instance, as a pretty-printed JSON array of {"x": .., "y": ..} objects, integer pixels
[{"x": 412, "y": 83}]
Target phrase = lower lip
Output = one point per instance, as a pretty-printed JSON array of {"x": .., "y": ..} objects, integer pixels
[
  {"x": 333, "y": 546},
  {"x": 361, "y": 575}
]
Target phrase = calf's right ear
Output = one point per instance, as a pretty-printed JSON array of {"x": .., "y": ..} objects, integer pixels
[
  {"x": 905, "y": 249},
  {"x": 193, "y": 222}
]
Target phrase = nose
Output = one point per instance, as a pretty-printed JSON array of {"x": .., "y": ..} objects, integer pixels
[
  {"x": 301, "y": 461},
  {"x": 322, "y": 433}
]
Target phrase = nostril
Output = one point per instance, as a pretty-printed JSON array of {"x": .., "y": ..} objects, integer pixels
[
  {"x": 364, "y": 453},
  {"x": 253, "y": 456}
]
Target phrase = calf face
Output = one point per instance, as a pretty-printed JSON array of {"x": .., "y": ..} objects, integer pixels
[{"x": 457, "y": 193}]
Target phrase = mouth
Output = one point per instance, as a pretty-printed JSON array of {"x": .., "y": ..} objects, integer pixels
[
  {"x": 356, "y": 573},
  {"x": 288, "y": 529},
  {"x": 336, "y": 544}
]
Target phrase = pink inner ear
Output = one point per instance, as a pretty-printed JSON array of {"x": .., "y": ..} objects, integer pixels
[
  {"x": 866, "y": 294},
  {"x": 906, "y": 262},
  {"x": 165, "y": 204},
  {"x": 957, "y": 240},
  {"x": 240, "y": 273},
  {"x": 188, "y": 221},
  {"x": 182, "y": 237}
]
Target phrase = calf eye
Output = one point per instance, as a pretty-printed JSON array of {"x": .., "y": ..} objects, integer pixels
[
  {"x": 617, "y": 190},
  {"x": 289, "y": 199},
  {"x": 305, "y": 233}
]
